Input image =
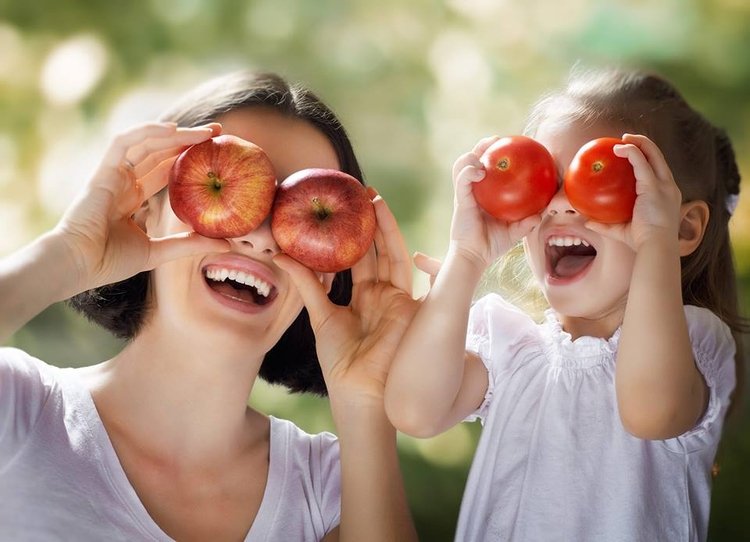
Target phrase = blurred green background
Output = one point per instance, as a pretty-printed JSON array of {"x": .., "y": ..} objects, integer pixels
[{"x": 416, "y": 83}]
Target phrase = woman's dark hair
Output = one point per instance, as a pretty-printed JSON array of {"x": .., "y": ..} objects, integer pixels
[
  {"x": 122, "y": 307},
  {"x": 702, "y": 161}
]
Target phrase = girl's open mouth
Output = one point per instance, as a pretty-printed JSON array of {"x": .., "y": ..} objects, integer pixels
[
  {"x": 568, "y": 257},
  {"x": 239, "y": 286}
]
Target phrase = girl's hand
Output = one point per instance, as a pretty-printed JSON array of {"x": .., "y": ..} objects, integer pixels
[
  {"x": 99, "y": 230},
  {"x": 658, "y": 199},
  {"x": 356, "y": 344},
  {"x": 474, "y": 233}
]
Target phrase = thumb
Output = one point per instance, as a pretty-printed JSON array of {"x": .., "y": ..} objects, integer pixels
[
  {"x": 176, "y": 246},
  {"x": 313, "y": 293},
  {"x": 427, "y": 264}
]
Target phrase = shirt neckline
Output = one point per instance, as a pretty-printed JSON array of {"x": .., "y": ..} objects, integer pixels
[
  {"x": 582, "y": 353},
  {"x": 118, "y": 481}
]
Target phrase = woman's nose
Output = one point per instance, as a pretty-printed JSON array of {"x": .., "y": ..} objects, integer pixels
[
  {"x": 559, "y": 205},
  {"x": 259, "y": 240}
]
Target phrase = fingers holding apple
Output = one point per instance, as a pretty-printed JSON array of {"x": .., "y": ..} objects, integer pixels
[{"x": 394, "y": 263}]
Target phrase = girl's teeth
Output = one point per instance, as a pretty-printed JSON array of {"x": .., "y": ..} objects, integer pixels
[{"x": 566, "y": 241}]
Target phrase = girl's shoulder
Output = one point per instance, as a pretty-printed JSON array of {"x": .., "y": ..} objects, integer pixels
[
  {"x": 713, "y": 347},
  {"x": 499, "y": 330}
]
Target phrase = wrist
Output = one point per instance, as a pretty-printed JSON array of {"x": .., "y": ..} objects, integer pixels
[
  {"x": 362, "y": 410},
  {"x": 467, "y": 260},
  {"x": 661, "y": 238}
]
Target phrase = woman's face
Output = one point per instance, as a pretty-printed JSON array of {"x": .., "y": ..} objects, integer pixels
[
  {"x": 582, "y": 274},
  {"x": 260, "y": 311}
]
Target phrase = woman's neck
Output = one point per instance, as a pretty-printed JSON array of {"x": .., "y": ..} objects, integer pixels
[{"x": 180, "y": 395}]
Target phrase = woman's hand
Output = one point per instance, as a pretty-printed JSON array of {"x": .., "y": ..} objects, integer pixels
[
  {"x": 99, "y": 230},
  {"x": 474, "y": 233},
  {"x": 657, "y": 206},
  {"x": 356, "y": 344}
]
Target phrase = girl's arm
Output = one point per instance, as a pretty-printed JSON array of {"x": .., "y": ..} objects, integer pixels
[
  {"x": 355, "y": 346},
  {"x": 97, "y": 241},
  {"x": 660, "y": 392},
  {"x": 434, "y": 383}
]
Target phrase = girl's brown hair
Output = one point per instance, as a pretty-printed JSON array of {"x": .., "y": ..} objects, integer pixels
[{"x": 702, "y": 161}]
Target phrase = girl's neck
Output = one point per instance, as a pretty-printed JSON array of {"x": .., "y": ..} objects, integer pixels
[
  {"x": 602, "y": 327},
  {"x": 180, "y": 395}
]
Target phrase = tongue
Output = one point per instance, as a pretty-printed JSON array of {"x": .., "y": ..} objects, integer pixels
[
  {"x": 224, "y": 288},
  {"x": 572, "y": 264}
]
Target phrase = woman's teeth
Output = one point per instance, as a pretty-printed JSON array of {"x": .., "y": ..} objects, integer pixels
[
  {"x": 220, "y": 275},
  {"x": 566, "y": 241}
]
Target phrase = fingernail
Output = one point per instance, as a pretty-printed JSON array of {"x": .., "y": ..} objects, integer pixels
[{"x": 372, "y": 192}]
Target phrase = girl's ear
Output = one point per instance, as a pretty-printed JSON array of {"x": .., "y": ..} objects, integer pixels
[{"x": 693, "y": 221}]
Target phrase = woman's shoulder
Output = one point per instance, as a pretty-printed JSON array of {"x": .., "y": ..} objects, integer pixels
[
  {"x": 18, "y": 368},
  {"x": 293, "y": 437}
]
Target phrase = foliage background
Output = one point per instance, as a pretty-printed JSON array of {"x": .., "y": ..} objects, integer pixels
[{"x": 416, "y": 83}]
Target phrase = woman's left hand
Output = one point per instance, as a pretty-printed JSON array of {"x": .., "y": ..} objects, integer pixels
[
  {"x": 657, "y": 205},
  {"x": 356, "y": 343}
]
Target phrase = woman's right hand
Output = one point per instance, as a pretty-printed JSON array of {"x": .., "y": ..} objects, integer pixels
[
  {"x": 474, "y": 233},
  {"x": 99, "y": 231}
]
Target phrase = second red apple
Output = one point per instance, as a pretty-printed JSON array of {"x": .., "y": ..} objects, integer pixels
[{"x": 324, "y": 219}]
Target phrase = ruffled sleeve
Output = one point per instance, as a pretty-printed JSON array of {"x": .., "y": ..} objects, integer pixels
[
  {"x": 496, "y": 331},
  {"x": 714, "y": 350}
]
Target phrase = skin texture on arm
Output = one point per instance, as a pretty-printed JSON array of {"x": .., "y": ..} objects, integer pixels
[
  {"x": 434, "y": 383},
  {"x": 355, "y": 347},
  {"x": 97, "y": 241},
  {"x": 660, "y": 392}
]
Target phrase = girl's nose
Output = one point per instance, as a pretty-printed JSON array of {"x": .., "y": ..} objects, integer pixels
[
  {"x": 559, "y": 205},
  {"x": 259, "y": 240}
]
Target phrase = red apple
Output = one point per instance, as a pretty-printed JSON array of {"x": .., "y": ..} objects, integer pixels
[
  {"x": 223, "y": 187},
  {"x": 324, "y": 219}
]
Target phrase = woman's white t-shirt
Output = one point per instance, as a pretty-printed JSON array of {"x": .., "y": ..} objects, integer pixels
[
  {"x": 60, "y": 478},
  {"x": 554, "y": 462}
]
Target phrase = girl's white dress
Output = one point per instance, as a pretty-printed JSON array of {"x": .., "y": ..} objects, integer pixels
[{"x": 554, "y": 462}]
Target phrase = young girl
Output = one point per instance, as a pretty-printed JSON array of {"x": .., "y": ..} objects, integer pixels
[
  {"x": 158, "y": 443},
  {"x": 602, "y": 422}
]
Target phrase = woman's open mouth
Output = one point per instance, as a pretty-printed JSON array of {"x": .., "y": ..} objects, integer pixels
[
  {"x": 239, "y": 286},
  {"x": 568, "y": 257}
]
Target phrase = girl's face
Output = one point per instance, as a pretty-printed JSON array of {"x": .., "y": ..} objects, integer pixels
[
  {"x": 259, "y": 313},
  {"x": 584, "y": 276}
]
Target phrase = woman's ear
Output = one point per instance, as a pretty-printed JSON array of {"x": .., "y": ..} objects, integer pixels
[{"x": 693, "y": 221}]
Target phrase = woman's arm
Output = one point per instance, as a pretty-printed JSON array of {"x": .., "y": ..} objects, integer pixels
[
  {"x": 355, "y": 346},
  {"x": 97, "y": 241},
  {"x": 660, "y": 392}
]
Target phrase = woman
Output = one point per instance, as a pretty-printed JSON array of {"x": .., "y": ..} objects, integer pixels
[{"x": 158, "y": 443}]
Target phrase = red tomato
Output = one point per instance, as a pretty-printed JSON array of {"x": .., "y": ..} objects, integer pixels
[
  {"x": 520, "y": 181},
  {"x": 599, "y": 184}
]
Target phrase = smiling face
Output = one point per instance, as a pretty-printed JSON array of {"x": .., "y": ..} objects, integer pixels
[
  {"x": 584, "y": 276},
  {"x": 240, "y": 295}
]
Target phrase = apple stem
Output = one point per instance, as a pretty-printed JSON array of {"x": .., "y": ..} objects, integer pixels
[
  {"x": 597, "y": 167},
  {"x": 503, "y": 164},
  {"x": 321, "y": 211},
  {"x": 215, "y": 181}
]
